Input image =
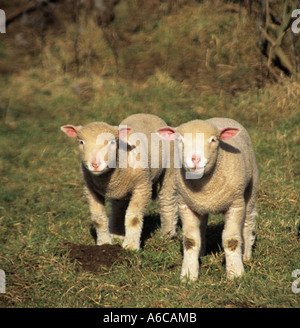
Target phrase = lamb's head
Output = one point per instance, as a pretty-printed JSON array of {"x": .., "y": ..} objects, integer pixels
[
  {"x": 197, "y": 143},
  {"x": 98, "y": 143}
]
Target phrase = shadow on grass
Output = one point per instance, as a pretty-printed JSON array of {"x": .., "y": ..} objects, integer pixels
[
  {"x": 152, "y": 223},
  {"x": 214, "y": 238},
  {"x": 213, "y": 233}
]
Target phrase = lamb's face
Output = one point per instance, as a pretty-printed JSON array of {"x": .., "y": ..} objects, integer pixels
[
  {"x": 97, "y": 144},
  {"x": 198, "y": 144}
]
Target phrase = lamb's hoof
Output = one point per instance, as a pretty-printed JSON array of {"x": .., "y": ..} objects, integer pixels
[
  {"x": 188, "y": 276},
  {"x": 187, "y": 279},
  {"x": 130, "y": 246},
  {"x": 232, "y": 274},
  {"x": 168, "y": 234},
  {"x": 247, "y": 259},
  {"x": 119, "y": 238},
  {"x": 102, "y": 241}
]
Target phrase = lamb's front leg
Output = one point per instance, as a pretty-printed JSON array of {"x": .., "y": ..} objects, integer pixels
[
  {"x": 134, "y": 217},
  {"x": 193, "y": 227},
  {"x": 232, "y": 240},
  {"x": 99, "y": 217}
]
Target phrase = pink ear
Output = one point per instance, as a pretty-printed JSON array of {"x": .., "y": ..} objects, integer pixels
[
  {"x": 124, "y": 131},
  {"x": 228, "y": 133},
  {"x": 70, "y": 130},
  {"x": 167, "y": 133}
]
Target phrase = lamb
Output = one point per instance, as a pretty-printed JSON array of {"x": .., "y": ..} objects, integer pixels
[
  {"x": 116, "y": 165},
  {"x": 218, "y": 175}
]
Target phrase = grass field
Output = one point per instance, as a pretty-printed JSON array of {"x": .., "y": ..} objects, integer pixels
[{"x": 41, "y": 197}]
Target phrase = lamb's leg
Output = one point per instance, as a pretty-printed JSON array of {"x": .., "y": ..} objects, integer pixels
[
  {"x": 250, "y": 217},
  {"x": 248, "y": 234},
  {"x": 193, "y": 227},
  {"x": 116, "y": 224},
  {"x": 99, "y": 217},
  {"x": 134, "y": 217},
  {"x": 232, "y": 241},
  {"x": 168, "y": 205}
]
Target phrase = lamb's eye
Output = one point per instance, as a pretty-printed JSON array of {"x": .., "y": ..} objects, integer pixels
[
  {"x": 81, "y": 142},
  {"x": 212, "y": 139},
  {"x": 112, "y": 142}
]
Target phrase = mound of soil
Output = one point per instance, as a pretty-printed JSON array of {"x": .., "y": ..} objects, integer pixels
[{"x": 93, "y": 258}]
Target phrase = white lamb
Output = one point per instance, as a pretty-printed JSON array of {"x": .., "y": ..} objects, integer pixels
[
  {"x": 116, "y": 165},
  {"x": 218, "y": 175}
]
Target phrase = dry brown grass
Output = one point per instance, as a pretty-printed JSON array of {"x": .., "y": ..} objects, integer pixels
[{"x": 206, "y": 47}]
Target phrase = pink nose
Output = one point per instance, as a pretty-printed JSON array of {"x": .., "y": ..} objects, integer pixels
[
  {"x": 95, "y": 165},
  {"x": 196, "y": 159}
]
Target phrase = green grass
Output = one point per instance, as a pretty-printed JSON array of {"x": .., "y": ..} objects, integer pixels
[
  {"x": 41, "y": 198},
  {"x": 42, "y": 205}
]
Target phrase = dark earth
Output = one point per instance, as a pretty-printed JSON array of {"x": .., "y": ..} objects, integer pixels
[{"x": 94, "y": 258}]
